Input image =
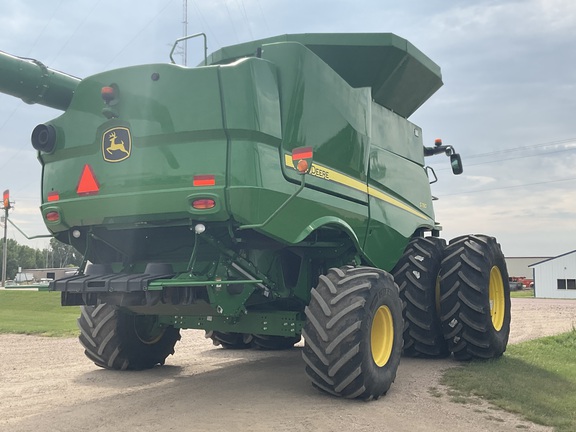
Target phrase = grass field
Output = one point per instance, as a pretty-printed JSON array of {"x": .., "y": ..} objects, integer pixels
[
  {"x": 525, "y": 293},
  {"x": 33, "y": 312},
  {"x": 536, "y": 379}
]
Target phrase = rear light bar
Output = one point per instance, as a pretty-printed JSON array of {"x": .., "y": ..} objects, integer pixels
[{"x": 204, "y": 180}]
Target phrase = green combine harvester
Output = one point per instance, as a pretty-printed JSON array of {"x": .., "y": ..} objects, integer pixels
[{"x": 273, "y": 193}]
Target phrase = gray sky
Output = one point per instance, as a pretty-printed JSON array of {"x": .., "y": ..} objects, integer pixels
[{"x": 507, "y": 105}]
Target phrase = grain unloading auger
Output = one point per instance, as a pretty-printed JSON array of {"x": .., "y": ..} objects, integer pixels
[
  {"x": 276, "y": 192},
  {"x": 33, "y": 82}
]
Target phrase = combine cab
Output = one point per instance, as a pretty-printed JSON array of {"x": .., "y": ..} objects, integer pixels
[{"x": 275, "y": 192}]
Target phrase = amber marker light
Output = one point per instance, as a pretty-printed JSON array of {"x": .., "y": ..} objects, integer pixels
[
  {"x": 108, "y": 93},
  {"x": 204, "y": 180},
  {"x": 302, "y": 159},
  {"x": 302, "y": 166}
]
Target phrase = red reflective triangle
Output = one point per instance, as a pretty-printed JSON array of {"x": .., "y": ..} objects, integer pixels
[{"x": 87, "y": 185}]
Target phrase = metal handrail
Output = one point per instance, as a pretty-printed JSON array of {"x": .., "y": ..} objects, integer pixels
[{"x": 190, "y": 37}]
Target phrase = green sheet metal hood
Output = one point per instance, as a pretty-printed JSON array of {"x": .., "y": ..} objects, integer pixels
[{"x": 401, "y": 77}]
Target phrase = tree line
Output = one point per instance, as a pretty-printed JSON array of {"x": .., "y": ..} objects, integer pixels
[{"x": 58, "y": 255}]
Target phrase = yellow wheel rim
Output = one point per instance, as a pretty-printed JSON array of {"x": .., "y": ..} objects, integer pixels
[
  {"x": 382, "y": 336},
  {"x": 148, "y": 330},
  {"x": 496, "y": 296}
]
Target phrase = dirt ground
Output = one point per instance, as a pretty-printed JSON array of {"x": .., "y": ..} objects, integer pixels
[{"x": 47, "y": 384}]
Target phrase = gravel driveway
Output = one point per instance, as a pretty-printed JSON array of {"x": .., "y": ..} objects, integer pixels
[{"x": 47, "y": 384}]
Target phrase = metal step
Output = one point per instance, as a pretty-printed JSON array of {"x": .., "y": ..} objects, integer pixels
[{"x": 114, "y": 282}]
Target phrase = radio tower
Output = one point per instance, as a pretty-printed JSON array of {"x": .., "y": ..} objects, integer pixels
[{"x": 185, "y": 31}]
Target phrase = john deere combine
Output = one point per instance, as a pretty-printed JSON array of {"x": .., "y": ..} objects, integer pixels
[{"x": 275, "y": 192}]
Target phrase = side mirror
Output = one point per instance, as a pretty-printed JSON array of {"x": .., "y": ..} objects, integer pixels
[{"x": 456, "y": 164}]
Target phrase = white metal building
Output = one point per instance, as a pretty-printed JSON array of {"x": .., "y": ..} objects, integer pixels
[
  {"x": 556, "y": 277},
  {"x": 520, "y": 266},
  {"x": 40, "y": 275}
]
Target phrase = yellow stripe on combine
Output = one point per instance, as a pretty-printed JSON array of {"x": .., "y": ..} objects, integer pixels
[
  {"x": 396, "y": 203},
  {"x": 326, "y": 173}
]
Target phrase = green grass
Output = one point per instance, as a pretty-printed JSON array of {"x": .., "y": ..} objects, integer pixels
[
  {"x": 39, "y": 313},
  {"x": 536, "y": 379},
  {"x": 525, "y": 293}
]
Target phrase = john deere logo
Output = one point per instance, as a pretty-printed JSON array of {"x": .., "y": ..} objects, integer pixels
[{"x": 116, "y": 144}]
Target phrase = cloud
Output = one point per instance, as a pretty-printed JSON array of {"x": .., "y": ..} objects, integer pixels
[
  {"x": 508, "y": 20},
  {"x": 531, "y": 224}
]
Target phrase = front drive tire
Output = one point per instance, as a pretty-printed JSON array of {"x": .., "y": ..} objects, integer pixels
[
  {"x": 353, "y": 333},
  {"x": 475, "y": 298},
  {"x": 118, "y": 340}
]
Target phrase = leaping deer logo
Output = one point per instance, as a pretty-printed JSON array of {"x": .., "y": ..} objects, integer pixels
[{"x": 116, "y": 145}]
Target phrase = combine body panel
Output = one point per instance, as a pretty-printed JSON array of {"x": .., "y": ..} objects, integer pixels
[{"x": 215, "y": 197}]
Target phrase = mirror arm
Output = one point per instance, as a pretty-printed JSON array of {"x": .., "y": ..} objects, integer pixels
[{"x": 431, "y": 151}]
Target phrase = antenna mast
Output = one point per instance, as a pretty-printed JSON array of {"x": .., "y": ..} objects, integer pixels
[{"x": 185, "y": 31}]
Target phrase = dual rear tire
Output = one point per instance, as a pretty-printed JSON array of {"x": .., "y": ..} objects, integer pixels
[
  {"x": 475, "y": 298},
  {"x": 418, "y": 277},
  {"x": 456, "y": 297}
]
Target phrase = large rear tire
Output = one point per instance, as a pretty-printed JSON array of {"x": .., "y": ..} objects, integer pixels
[
  {"x": 117, "y": 340},
  {"x": 353, "y": 333},
  {"x": 475, "y": 298},
  {"x": 417, "y": 275}
]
